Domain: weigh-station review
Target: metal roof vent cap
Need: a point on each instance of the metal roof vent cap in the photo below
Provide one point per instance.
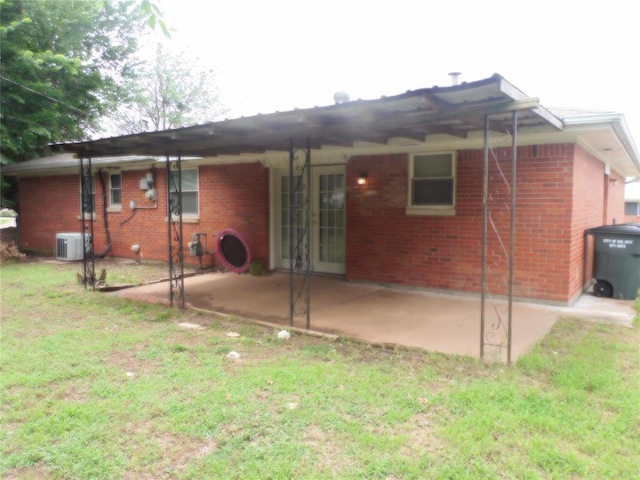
(455, 78)
(341, 97)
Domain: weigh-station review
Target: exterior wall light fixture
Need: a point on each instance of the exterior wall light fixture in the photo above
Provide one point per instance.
(362, 179)
(613, 181)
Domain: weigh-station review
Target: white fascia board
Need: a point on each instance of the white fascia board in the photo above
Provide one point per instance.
(594, 118)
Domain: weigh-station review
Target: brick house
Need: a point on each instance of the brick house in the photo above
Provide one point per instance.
(397, 192)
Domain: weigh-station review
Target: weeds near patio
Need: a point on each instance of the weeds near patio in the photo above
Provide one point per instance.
(95, 386)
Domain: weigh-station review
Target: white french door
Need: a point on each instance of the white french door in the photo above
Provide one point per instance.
(327, 218)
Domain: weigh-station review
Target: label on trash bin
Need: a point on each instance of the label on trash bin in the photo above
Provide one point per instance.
(617, 243)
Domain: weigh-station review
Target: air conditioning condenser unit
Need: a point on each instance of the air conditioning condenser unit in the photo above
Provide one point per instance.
(69, 246)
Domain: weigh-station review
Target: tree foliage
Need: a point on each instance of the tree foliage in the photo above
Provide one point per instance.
(66, 66)
(173, 90)
(154, 16)
(63, 66)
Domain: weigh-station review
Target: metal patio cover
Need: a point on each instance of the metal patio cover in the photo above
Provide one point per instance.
(416, 114)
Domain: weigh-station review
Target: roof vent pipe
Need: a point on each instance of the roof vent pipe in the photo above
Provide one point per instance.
(341, 97)
(455, 78)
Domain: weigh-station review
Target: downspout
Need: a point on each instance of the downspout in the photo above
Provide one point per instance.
(485, 199)
(105, 217)
(512, 229)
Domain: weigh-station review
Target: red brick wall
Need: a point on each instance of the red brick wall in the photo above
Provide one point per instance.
(47, 206)
(589, 210)
(230, 196)
(560, 192)
(385, 245)
(237, 197)
(543, 226)
(632, 219)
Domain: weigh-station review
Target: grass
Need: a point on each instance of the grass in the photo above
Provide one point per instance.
(99, 387)
(131, 272)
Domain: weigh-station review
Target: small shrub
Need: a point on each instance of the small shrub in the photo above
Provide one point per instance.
(10, 253)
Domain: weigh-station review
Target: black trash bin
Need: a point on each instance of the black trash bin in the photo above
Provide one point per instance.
(616, 260)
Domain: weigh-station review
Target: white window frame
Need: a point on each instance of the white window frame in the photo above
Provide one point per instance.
(113, 206)
(434, 209)
(191, 215)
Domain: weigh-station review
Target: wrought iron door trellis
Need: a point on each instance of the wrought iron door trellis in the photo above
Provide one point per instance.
(174, 217)
(498, 208)
(88, 211)
(300, 232)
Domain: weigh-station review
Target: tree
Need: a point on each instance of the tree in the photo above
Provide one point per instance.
(154, 16)
(173, 90)
(63, 66)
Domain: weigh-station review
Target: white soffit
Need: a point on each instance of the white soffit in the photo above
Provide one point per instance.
(606, 136)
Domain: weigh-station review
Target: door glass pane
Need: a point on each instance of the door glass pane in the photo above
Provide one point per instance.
(323, 218)
(284, 244)
(331, 218)
(324, 245)
(285, 212)
(340, 245)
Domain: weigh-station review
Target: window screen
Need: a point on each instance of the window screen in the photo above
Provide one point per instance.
(189, 187)
(432, 182)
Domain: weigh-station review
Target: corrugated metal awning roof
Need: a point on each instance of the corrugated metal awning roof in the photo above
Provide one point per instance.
(455, 110)
(65, 162)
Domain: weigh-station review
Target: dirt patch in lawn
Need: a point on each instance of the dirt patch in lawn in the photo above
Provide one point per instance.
(35, 472)
(119, 270)
(130, 363)
(177, 452)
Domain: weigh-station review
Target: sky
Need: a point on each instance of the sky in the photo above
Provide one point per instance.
(277, 55)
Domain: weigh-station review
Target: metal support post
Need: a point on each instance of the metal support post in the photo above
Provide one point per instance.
(88, 211)
(300, 232)
(498, 208)
(174, 220)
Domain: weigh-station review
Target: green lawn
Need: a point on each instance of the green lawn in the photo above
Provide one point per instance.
(95, 386)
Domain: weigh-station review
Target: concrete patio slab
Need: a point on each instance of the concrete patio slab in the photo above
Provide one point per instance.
(446, 323)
